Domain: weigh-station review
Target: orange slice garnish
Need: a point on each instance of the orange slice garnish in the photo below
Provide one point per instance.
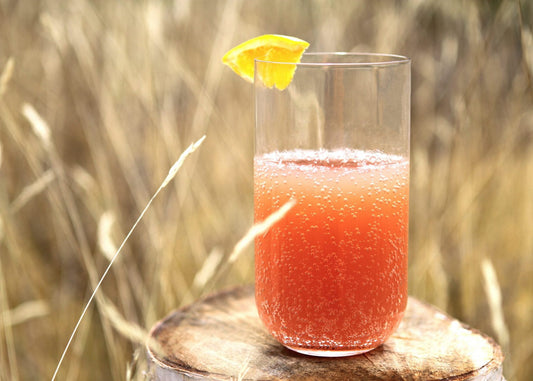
(269, 47)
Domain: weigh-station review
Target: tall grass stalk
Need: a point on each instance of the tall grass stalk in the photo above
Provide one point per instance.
(171, 174)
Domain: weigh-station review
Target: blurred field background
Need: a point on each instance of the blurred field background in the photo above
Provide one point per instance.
(99, 98)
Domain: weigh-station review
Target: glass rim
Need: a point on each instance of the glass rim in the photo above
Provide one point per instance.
(388, 60)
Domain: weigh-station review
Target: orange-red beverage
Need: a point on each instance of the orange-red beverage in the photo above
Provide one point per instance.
(331, 276)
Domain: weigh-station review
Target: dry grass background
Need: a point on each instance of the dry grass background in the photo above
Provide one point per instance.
(99, 98)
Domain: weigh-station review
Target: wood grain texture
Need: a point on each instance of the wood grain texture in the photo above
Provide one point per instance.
(222, 338)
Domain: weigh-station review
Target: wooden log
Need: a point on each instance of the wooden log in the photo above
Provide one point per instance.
(222, 338)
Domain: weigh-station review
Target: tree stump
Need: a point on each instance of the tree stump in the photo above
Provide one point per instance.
(222, 338)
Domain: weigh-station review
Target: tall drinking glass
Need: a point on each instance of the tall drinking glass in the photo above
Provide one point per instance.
(331, 276)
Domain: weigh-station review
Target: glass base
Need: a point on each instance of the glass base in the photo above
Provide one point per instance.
(328, 352)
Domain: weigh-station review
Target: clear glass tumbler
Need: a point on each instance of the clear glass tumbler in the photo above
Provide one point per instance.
(331, 276)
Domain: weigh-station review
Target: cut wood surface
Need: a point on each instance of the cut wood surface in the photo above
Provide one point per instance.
(222, 338)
